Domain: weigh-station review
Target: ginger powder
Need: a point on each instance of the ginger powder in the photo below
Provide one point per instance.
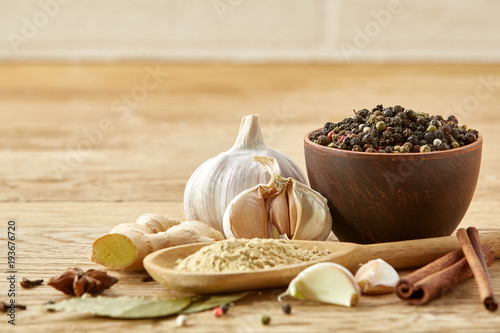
(240, 255)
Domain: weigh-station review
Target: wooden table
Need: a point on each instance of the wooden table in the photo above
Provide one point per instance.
(86, 147)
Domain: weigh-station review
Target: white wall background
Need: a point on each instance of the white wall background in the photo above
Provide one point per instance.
(250, 30)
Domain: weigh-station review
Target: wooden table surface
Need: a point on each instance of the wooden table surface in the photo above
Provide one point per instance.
(86, 147)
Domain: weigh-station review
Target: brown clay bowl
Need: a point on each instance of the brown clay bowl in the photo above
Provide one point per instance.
(391, 197)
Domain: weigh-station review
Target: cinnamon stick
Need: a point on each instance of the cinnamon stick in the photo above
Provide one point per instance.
(434, 279)
(469, 240)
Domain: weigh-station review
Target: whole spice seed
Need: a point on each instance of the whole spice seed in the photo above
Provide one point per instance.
(147, 278)
(286, 308)
(217, 311)
(224, 308)
(27, 283)
(4, 307)
(49, 303)
(265, 319)
(181, 320)
(385, 128)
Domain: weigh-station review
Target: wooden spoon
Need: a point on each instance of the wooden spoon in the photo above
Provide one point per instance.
(401, 255)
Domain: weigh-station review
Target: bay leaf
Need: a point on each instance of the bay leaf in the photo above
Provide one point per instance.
(212, 301)
(123, 307)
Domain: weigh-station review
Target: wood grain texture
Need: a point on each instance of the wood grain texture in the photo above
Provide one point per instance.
(141, 161)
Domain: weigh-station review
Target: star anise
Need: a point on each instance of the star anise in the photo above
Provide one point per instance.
(77, 282)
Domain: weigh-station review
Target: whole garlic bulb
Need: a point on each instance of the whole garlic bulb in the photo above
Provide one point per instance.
(216, 182)
(283, 208)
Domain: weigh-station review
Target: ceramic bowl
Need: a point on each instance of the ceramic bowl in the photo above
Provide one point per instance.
(391, 197)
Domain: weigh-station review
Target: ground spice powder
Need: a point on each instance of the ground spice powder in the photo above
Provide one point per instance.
(240, 255)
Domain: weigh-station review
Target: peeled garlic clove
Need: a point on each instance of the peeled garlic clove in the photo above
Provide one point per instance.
(325, 282)
(376, 277)
(220, 179)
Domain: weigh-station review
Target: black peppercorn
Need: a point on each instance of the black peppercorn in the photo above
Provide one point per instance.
(358, 119)
(398, 137)
(407, 132)
(446, 129)
(355, 141)
(323, 140)
(286, 308)
(398, 108)
(469, 137)
(429, 137)
(452, 119)
(388, 112)
(412, 115)
(418, 134)
(357, 148)
(423, 121)
(413, 140)
(363, 113)
(396, 122)
(314, 135)
(394, 129)
(401, 115)
(442, 146)
(439, 134)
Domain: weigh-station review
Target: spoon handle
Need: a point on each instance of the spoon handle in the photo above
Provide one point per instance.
(419, 252)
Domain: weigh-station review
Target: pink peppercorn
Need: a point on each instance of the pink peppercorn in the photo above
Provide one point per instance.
(217, 311)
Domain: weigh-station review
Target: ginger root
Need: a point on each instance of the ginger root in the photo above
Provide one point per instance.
(127, 244)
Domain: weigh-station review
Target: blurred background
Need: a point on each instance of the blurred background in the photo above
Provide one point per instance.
(251, 31)
(121, 100)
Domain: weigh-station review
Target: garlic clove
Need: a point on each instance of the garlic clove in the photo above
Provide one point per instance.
(376, 277)
(312, 218)
(293, 210)
(250, 214)
(278, 212)
(325, 282)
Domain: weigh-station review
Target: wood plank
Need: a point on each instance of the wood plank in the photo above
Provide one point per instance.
(143, 163)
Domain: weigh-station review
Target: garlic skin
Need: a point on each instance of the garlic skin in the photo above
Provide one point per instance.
(376, 277)
(217, 181)
(283, 208)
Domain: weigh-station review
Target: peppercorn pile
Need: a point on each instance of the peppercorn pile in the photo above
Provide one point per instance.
(394, 130)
